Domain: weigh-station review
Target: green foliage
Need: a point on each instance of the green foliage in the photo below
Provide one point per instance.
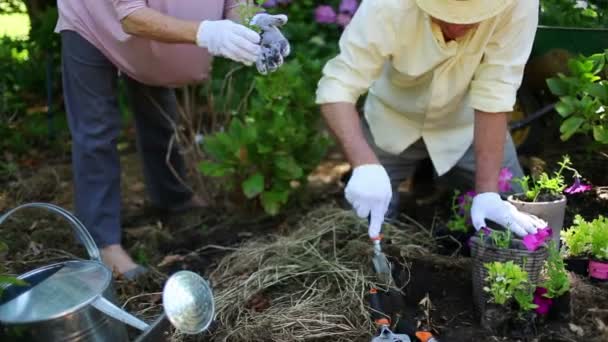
(7, 280)
(275, 143)
(556, 281)
(461, 208)
(12, 6)
(506, 281)
(524, 297)
(577, 239)
(502, 239)
(583, 97)
(599, 238)
(545, 184)
(566, 13)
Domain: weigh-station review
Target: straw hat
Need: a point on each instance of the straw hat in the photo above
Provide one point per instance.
(463, 11)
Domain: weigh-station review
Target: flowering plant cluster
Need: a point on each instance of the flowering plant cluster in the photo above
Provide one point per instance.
(552, 185)
(325, 14)
(507, 281)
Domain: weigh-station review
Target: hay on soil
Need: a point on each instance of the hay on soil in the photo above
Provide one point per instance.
(308, 284)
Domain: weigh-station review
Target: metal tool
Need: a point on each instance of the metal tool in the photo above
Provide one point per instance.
(74, 300)
(382, 265)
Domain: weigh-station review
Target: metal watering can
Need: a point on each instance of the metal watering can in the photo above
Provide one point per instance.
(74, 300)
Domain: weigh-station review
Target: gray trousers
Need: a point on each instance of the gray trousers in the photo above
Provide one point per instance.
(90, 87)
(462, 176)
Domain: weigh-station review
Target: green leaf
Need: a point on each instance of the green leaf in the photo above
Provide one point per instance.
(570, 126)
(600, 134)
(212, 169)
(564, 109)
(7, 280)
(599, 90)
(557, 86)
(289, 167)
(253, 185)
(272, 201)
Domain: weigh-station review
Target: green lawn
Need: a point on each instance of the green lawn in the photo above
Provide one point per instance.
(14, 25)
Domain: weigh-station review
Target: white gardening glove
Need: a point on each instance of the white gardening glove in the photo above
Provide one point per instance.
(275, 46)
(369, 192)
(228, 39)
(489, 205)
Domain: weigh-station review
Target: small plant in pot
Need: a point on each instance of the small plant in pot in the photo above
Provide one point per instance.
(553, 297)
(489, 246)
(577, 243)
(510, 297)
(544, 195)
(598, 263)
(460, 226)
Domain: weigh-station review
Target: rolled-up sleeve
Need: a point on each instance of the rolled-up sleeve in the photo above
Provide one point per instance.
(125, 7)
(498, 77)
(365, 45)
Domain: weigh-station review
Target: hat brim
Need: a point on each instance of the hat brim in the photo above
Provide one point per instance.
(463, 12)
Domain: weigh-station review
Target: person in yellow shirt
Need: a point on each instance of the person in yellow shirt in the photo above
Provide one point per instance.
(440, 77)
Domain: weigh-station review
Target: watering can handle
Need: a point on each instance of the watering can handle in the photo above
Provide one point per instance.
(78, 227)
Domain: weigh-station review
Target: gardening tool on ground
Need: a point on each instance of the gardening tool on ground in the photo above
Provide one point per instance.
(382, 321)
(382, 265)
(74, 300)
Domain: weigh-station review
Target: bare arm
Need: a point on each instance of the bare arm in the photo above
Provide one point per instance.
(151, 24)
(343, 121)
(490, 134)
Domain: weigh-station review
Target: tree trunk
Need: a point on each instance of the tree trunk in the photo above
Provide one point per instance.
(36, 7)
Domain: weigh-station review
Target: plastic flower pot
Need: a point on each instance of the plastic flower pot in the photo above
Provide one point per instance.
(598, 270)
(551, 211)
(484, 251)
(561, 309)
(577, 265)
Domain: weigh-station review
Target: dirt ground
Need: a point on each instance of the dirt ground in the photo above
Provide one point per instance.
(197, 241)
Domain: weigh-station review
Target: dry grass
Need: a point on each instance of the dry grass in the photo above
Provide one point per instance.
(309, 284)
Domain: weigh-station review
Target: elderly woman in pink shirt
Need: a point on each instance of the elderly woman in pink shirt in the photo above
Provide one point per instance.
(154, 45)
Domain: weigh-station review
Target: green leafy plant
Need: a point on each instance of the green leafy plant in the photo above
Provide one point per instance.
(246, 11)
(460, 221)
(504, 280)
(7, 280)
(570, 13)
(599, 238)
(583, 97)
(544, 184)
(556, 281)
(524, 297)
(577, 238)
(502, 239)
(269, 150)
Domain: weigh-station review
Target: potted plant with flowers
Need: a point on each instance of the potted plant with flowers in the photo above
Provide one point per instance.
(577, 243)
(489, 246)
(544, 196)
(553, 296)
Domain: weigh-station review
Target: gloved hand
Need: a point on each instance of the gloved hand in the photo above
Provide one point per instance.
(369, 192)
(489, 205)
(228, 39)
(275, 46)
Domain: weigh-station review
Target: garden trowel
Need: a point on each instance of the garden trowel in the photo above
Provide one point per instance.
(382, 265)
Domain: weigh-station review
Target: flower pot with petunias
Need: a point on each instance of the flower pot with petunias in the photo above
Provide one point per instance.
(598, 263)
(489, 246)
(545, 195)
(552, 297)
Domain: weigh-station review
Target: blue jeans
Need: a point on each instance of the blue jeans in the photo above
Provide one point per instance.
(90, 86)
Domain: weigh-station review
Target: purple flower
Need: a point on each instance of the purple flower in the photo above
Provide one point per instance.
(343, 19)
(465, 201)
(504, 180)
(348, 7)
(533, 241)
(544, 303)
(577, 187)
(325, 14)
(275, 3)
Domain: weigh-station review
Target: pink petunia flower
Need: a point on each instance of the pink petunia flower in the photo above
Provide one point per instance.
(504, 180)
(578, 187)
(348, 7)
(533, 241)
(343, 19)
(544, 303)
(325, 14)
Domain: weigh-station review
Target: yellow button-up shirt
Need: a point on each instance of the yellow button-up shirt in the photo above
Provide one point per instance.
(421, 86)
